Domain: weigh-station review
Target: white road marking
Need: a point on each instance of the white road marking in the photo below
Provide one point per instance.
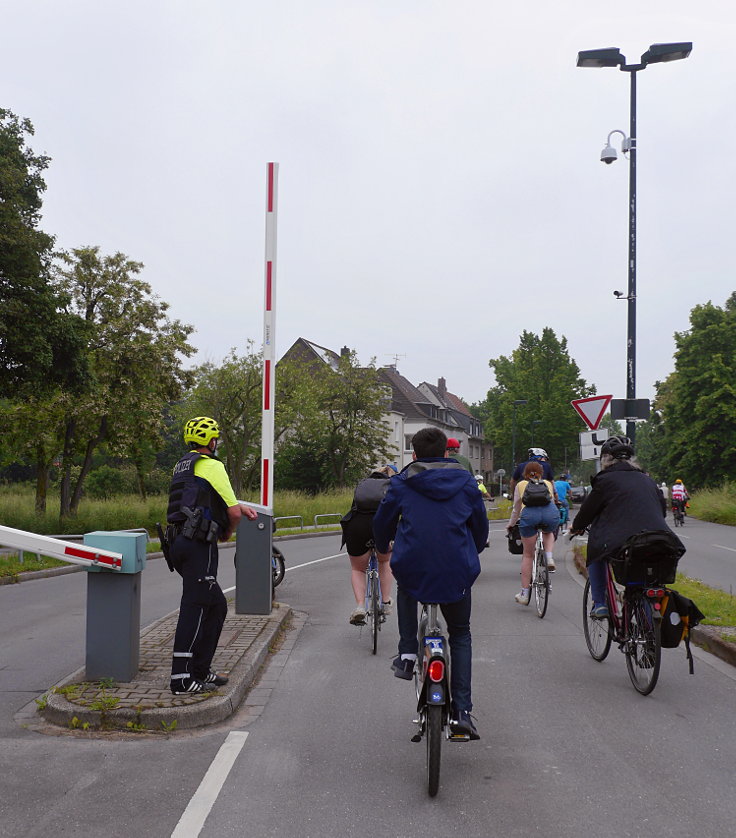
(297, 566)
(191, 822)
(732, 549)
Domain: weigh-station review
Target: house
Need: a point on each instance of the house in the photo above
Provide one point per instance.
(411, 408)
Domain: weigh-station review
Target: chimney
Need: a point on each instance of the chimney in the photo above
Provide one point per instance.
(344, 351)
(442, 387)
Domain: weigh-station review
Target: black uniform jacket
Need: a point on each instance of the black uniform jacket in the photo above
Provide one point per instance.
(624, 501)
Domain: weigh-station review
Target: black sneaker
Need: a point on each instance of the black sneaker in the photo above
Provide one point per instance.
(462, 725)
(217, 680)
(403, 668)
(187, 686)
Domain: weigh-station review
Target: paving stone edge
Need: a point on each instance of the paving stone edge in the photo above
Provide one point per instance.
(59, 711)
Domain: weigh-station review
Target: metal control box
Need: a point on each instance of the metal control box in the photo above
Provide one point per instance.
(132, 546)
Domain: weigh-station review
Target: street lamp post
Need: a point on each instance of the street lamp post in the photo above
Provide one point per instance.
(516, 403)
(613, 57)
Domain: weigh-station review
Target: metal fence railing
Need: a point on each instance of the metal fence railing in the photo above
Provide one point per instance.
(337, 515)
(291, 518)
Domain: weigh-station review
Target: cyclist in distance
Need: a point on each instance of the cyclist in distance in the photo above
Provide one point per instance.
(453, 450)
(535, 455)
(542, 514)
(436, 516)
(562, 487)
(623, 501)
(357, 537)
(679, 495)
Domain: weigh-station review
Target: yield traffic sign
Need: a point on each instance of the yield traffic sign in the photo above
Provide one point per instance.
(591, 410)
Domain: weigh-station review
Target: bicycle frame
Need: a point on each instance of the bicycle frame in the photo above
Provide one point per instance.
(373, 598)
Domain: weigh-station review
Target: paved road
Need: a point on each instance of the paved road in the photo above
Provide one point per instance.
(568, 747)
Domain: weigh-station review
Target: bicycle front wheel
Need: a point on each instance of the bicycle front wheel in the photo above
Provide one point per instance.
(540, 583)
(433, 735)
(597, 631)
(375, 613)
(643, 644)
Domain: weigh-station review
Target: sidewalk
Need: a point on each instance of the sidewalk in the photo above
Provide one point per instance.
(146, 703)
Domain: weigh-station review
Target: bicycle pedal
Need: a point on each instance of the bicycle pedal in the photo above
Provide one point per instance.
(459, 737)
(417, 737)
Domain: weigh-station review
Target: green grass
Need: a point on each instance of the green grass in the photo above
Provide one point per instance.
(717, 505)
(719, 607)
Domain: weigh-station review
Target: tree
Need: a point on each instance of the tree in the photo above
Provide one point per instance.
(540, 371)
(339, 419)
(695, 424)
(134, 354)
(41, 345)
(231, 394)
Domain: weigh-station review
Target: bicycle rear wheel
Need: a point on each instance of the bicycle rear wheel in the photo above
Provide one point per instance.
(643, 644)
(278, 568)
(433, 735)
(597, 631)
(375, 612)
(540, 583)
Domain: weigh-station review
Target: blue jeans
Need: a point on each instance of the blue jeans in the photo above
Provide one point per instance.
(457, 617)
(597, 576)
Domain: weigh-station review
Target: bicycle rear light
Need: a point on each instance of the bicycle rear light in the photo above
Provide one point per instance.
(654, 593)
(436, 670)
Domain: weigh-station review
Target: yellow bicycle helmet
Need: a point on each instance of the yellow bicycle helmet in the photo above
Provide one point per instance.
(201, 430)
(678, 480)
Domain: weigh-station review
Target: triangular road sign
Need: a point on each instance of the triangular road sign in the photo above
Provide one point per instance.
(592, 409)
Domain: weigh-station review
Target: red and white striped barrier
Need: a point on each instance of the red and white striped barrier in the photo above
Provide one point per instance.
(269, 339)
(58, 549)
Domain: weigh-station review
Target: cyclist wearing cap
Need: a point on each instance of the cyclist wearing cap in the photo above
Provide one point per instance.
(453, 451)
(481, 487)
(624, 500)
(535, 455)
(202, 511)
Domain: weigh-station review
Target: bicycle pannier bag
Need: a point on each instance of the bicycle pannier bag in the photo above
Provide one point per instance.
(516, 546)
(680, 616)
(536, 494)
(648, 557)
(369, 493)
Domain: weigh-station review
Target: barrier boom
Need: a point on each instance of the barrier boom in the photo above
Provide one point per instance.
(58, 549)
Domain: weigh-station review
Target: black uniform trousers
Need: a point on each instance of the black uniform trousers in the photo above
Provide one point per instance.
(202, 612)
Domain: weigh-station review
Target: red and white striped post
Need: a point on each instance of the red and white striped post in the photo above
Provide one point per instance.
(269, 339)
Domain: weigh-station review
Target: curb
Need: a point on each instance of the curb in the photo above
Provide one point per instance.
(209, 710)
(706, 637)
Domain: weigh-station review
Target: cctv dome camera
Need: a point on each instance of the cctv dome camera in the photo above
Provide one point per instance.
(608, 155)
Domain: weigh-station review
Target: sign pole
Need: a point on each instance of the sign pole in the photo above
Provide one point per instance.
(269, 339)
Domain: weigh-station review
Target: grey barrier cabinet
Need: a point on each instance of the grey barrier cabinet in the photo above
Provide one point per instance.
(253, 578)
(114, 608)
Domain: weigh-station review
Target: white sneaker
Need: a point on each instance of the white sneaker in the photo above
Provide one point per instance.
(357, 618)
(551, 564)
(522, 597)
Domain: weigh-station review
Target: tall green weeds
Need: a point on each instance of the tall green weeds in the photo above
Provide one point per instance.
(717, 505)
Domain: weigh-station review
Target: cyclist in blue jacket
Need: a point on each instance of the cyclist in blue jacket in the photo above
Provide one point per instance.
(435, 515)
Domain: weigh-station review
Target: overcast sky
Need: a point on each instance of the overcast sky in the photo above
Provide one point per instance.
(440, 179)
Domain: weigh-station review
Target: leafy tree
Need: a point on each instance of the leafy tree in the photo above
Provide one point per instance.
(41, 345)
(541, 371)
(693, 435)
(231, 394)
(134, 354)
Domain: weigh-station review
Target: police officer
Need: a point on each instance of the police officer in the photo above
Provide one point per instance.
(202, 511)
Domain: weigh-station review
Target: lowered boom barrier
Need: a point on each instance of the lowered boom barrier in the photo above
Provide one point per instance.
(57, 549)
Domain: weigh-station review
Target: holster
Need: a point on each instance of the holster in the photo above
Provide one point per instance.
(163, 537)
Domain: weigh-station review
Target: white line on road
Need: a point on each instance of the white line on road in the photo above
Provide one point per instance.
(732, 549)
(297, 566)
(191, 822)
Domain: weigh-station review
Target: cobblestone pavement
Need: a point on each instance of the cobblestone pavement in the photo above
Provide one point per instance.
(146, 703)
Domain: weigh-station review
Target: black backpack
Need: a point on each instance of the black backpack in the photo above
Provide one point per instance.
(680, 616)
(370, 492)
(536, 494)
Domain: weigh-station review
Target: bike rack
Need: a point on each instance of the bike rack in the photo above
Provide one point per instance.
(292, 518)
(337, 515)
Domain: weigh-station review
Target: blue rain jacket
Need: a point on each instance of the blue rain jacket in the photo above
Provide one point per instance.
(436, 516)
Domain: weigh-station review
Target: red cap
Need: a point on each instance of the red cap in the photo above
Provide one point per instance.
(452, 443)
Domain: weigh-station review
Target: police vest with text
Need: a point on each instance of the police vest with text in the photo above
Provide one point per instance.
(196, 510)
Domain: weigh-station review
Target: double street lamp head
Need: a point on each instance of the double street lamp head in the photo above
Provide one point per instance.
(613, 57)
